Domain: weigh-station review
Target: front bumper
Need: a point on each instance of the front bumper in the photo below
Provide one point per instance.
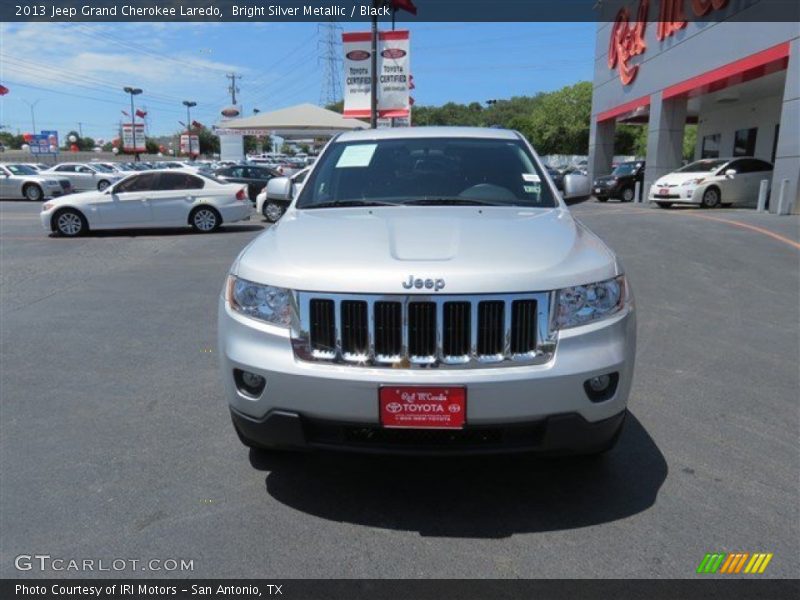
(558, 434)
(680, 194)
(507, 396)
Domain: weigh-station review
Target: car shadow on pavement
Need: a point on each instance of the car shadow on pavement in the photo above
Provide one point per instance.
(478, 497)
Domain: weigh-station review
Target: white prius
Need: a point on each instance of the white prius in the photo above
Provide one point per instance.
(162, 198)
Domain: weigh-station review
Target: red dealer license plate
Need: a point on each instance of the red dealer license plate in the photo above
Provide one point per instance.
(663, 192)
(423, 407)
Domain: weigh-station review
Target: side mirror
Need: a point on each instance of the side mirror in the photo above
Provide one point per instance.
(279, 188)
(576, 186)
(730, 173)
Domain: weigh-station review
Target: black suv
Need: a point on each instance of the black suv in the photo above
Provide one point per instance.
(621, 183)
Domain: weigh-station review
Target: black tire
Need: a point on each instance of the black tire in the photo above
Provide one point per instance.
(272, 211)
(102, 185)
(664, 204)
(711, 198)
(601, 198)
(69, 222)
(205, 219)
(33, 192)
(627, 194)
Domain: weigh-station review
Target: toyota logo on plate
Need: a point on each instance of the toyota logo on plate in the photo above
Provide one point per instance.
(394, 407)
(393, 53)
(358, 55)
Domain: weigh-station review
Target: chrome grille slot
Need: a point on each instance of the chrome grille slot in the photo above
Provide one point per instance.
(523, 326)
(491, 329)
(355, 335)
(322, 329)
(456, 331)
(388, 331)
(424, 330)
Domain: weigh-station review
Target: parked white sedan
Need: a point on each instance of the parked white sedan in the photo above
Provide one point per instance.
(159, 198)
(711, 182)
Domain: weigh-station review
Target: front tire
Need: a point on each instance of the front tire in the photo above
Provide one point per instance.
(33, 192)
(273, 212)
(711, 198)
(627, 194)
(205, 219)
(68, 222)
(102, 185)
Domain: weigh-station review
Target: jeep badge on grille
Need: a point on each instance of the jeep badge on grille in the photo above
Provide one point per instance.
(430, 284)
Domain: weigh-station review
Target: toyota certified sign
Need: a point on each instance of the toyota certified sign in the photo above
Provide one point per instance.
(393, 74)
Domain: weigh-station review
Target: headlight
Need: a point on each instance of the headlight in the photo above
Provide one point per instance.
(262, 302)
(47, 206)
(585, 303)
(694, 181)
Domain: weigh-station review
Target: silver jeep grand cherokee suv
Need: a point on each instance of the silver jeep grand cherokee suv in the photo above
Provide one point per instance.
(427, 291)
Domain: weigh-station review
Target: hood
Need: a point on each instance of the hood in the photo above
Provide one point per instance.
(77, 198)
(679, 178)
(475, 250)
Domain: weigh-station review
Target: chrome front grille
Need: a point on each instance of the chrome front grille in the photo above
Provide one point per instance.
(424, 331)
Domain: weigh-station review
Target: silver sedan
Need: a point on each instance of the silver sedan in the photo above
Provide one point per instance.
(19, 181)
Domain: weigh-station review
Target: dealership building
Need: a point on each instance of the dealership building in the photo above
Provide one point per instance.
(663, 64)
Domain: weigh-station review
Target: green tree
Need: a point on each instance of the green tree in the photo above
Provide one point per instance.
(560, 121)
(11, 141)
(151, 147)
(689, 141)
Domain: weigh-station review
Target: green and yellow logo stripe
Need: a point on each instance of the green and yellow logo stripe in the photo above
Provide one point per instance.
(735, 562)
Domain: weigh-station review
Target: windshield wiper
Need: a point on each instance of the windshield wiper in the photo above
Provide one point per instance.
(346, 203)
(449, 202)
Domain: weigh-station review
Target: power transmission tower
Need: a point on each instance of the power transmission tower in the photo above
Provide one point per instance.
(232, 87)
(330, 48)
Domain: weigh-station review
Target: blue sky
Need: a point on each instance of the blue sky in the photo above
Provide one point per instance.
(75, 72)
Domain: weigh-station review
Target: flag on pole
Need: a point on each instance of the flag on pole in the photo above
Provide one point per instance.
(140, 113)
(3, 90)
(124, 113)
(407, 5)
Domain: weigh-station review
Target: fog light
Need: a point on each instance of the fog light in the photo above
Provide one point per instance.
(599, 384)
(601, 387)
(249, 383)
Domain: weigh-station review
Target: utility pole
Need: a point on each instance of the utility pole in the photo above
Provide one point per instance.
(32, 105)
(80, 129)
(232, 87)
(189, 104)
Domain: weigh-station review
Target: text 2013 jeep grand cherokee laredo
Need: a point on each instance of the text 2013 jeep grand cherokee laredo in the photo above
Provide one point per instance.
(427, 291)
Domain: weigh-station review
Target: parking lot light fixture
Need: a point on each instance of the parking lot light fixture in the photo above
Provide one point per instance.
(133, 91)
(189, 104)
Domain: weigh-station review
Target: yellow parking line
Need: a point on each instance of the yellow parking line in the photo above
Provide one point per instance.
(761, 230)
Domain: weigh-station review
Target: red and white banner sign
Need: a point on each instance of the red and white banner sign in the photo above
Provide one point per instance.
(127, 137)
(393, 73)
(190, 144)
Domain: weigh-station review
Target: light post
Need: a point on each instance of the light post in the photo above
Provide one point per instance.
(32, 105)
(189, 104)
(133, 92)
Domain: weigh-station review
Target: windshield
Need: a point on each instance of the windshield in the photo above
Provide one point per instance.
(22, 170)
(625, 169)
(422, 171)
(101, 168)
(702, 166)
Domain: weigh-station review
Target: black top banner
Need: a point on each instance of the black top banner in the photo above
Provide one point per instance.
(426, 10)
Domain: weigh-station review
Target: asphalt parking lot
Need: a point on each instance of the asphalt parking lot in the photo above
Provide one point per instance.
(116, 440)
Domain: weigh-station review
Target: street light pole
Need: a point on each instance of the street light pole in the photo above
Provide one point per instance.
(189, 104)
(133, 92)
